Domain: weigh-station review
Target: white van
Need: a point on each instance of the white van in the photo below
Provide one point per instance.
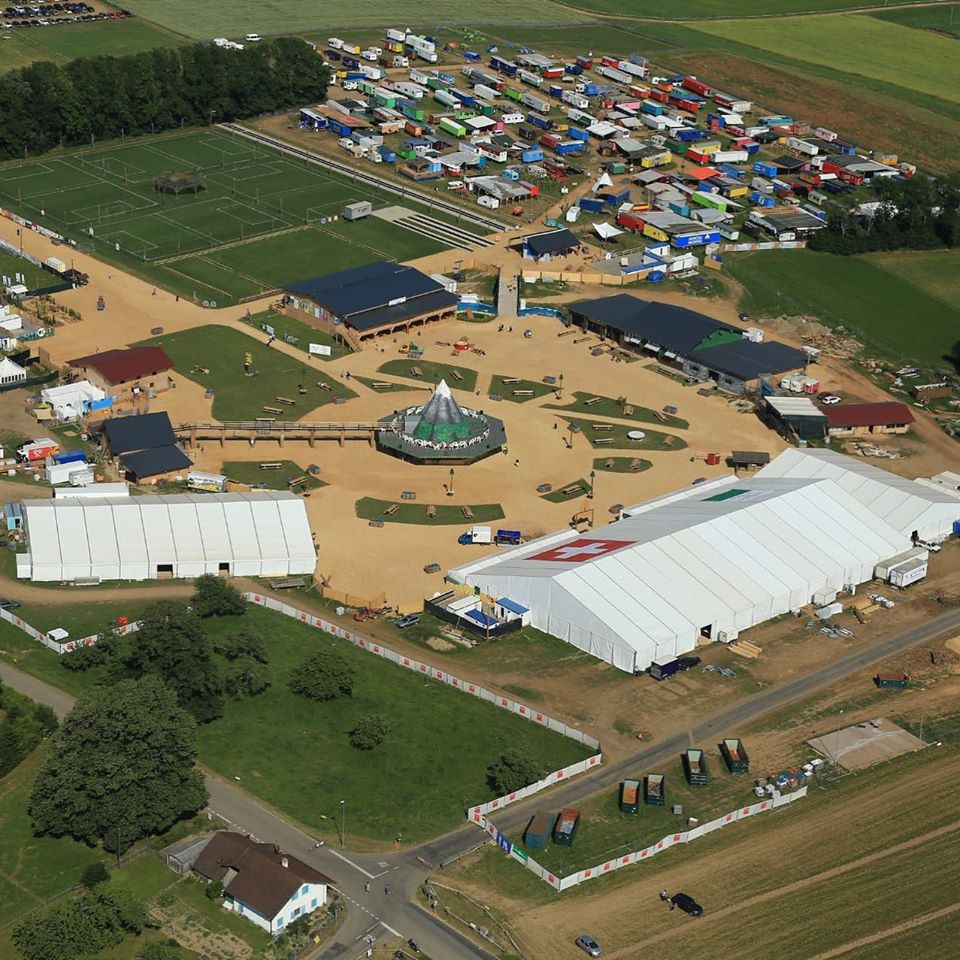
(335, 42)
(253, 38)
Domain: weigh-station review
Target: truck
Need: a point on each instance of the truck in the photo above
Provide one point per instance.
(483, 535)
(511, 537)
(664, 668)
(538, 830)
(695, 767)
(630, 796)
(734, 755)
(38, 450)
(654, 792)
(566, 827)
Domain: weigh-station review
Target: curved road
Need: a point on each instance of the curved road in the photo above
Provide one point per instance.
(378, 914)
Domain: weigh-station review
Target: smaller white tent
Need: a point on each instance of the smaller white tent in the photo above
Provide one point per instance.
(11, 372)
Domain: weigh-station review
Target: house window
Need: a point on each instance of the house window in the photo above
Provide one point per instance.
(304, 889)
(313, 904)
(295, 913)
(279, 921)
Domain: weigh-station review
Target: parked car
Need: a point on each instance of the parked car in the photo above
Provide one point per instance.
(588, 945)
(10, 604)
(687, 904)
(253, 38)
(688, 663)
(828, 399)
(408, 621)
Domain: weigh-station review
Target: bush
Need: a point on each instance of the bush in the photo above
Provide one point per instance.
(515, 769)
(242, 644)
(245, 677)
(323, 676)
(214, 597)
(369, 732)
(214, 890)
(93, 874)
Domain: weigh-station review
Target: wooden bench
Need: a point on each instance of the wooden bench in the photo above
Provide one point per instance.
(592, 401)
(381, 385)
(456, 374)
(391, 510)
(287, 583)
(600, 440)
(276, 410)
(467, 512)
(296, 482)
(582, 339)
(523, 393)
(431, 512)
(602, 426)
(272, 465)
(628, 410)
(416, 371)
(510, 380)
(286, 400)
(566, 333)
(573, 488)
(323, 385)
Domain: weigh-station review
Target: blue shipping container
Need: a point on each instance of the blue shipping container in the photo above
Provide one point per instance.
(471, 56)
(69, 456)
(591, 90)
(555, 90)
(765, 169)
(570, 146)
(388, 155)
(532, 155)
(696, 239)
(730, 171)
(590, 204)
(575, 133)
(542, 122)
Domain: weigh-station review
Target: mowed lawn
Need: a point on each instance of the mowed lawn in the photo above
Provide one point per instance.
(417, 783)
(889, 313)
(221, 350)
(697, 9)
(858, 45)
(64, 42)
(936, 272)
(206, 20)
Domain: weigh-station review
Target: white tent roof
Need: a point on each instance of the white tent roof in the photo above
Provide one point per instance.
(9, 368)
(906, 505)
(126, 538)
(727, 554)
(606, 231)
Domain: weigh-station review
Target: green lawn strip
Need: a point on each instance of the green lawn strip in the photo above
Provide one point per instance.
(34, 276)
(432, 775)
(936, 272)
(221, 350)
(32, 869)
(621, 464)
(608, 407)
(80, 619)
(652, 440)
(369, 508)
(570, 41)
(394, 387)
(605, 832)
(931, 16)
(297, 333)
(852, 292)
(252, 475)
(706, 9)
(432, 372)
(934, 940)
(381, 236)
(569, 491)
(508, 391)
(31, 656)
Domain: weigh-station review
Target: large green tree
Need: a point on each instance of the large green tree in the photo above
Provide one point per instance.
(120, 768)
(514, 769)
(325, 675)
(214, 597)
(172, 644)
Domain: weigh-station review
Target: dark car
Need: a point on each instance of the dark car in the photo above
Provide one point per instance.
(687, 904)
(688, 663)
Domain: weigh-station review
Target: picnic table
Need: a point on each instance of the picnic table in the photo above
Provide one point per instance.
(467, 512)
(456, 374)
(431, 511)
(286, 400)
(276, 410)
(572, 488)
(392, 509)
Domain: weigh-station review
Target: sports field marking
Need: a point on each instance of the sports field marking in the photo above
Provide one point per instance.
(255, 219)
(130, 242)
(35, 170)
(225, 145)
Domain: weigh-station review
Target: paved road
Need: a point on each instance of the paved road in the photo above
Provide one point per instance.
(394, 915)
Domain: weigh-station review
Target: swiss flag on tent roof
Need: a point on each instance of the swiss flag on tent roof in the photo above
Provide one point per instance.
(579, 551)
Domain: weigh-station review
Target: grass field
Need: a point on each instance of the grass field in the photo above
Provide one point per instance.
(936, 272)
(506, 390)
(31, 868)
(432, 774)
(935, 16)
(609, 407)
(621, 464)
(292, 16)
(34, 276)
(433, 372)
(394, 386)
(67, 41)
(255, 226)
(617, 439)
(369, 508)
(702, 9)
(251, 474)
(297, 333)
(221, 350)
(568, 491)
(854, 292)
(859, 45)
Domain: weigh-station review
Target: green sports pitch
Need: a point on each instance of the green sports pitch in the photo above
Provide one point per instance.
(261, 219)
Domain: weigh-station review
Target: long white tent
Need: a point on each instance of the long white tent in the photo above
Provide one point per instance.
(262, 533)
(710, 560)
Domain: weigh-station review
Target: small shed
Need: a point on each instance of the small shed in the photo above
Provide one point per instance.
(358, 210)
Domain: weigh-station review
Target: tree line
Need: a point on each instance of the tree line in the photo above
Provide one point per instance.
(917, 214)
(46, 105)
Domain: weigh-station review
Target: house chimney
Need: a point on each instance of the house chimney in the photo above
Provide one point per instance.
(284, 862)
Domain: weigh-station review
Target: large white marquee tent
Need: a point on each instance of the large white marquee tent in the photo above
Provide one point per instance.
(711, 560)
(262, 533)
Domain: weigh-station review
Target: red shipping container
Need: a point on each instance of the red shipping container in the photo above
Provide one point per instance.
(552, 73)
(549, 140)
(414, 129)
(697, 86)
(585, 62)
(661, 96)
(697, 157)
(630, 221)
(613, 62)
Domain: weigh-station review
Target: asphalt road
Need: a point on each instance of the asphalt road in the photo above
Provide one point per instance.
(374, 912)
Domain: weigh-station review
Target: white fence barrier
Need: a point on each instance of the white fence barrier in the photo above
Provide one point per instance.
(638, 856)
(54, 645)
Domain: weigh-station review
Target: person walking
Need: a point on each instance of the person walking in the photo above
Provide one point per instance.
(664, 896)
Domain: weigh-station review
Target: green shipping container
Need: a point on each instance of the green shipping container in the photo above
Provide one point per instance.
(512, 94)
(655, 793)
(566, 827)
(630, 796)
(538, 830)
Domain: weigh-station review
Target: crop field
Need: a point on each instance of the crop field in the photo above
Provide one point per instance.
(67, 41)
(861, 46)
(259, 219)
(217, 18)
(890, 314)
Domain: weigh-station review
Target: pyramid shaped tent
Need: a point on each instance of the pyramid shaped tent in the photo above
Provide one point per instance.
(441, 419)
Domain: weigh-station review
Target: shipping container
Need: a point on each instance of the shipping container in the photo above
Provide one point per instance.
(542, 122)
(734, 755)
(630, 796)
(484, 92)
(467, 99)
(447, 99)
(552, 73)
(591, 204)
(655, 792)
(538, 830)
(534, 102)
(695, 767)
(585, 62)
(630, 221)
(531, 79)
(453, 127)
(575, 133)
(612, 74)
(413, 90)
(512, 93)
(555, 90)
(502, 65)
(549, 140)
(573, 69)
(570, 147)
(566, 827)
(697, 86)
(731, 156)
(892, 681)
(532, 155)
(386, 154)
(633, 69)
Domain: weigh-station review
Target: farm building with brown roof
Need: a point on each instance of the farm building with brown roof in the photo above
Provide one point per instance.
(126, 374)
(864, 419)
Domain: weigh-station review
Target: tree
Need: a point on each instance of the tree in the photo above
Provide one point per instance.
(46, 718)
(93, 874)
(242, 644)
(170, 950)
(245, 677)
(954, 356)
(214, 890)
(214, 597)
(11, 749)
(323, 676)
(121, 766)
(171, 643)
(515, 769)
(369, 732)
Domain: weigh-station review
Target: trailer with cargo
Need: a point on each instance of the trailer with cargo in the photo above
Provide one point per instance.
(467, 99)
(538, 830)
(695, 767)
(892, 681)
(566, 827)
(452, 126)
(37, 450)
(630, 796)
(531, 79)
(612, 73)
(502, 65)
(534, 102)
(654, 790)
(734, 755)
(542, 122)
